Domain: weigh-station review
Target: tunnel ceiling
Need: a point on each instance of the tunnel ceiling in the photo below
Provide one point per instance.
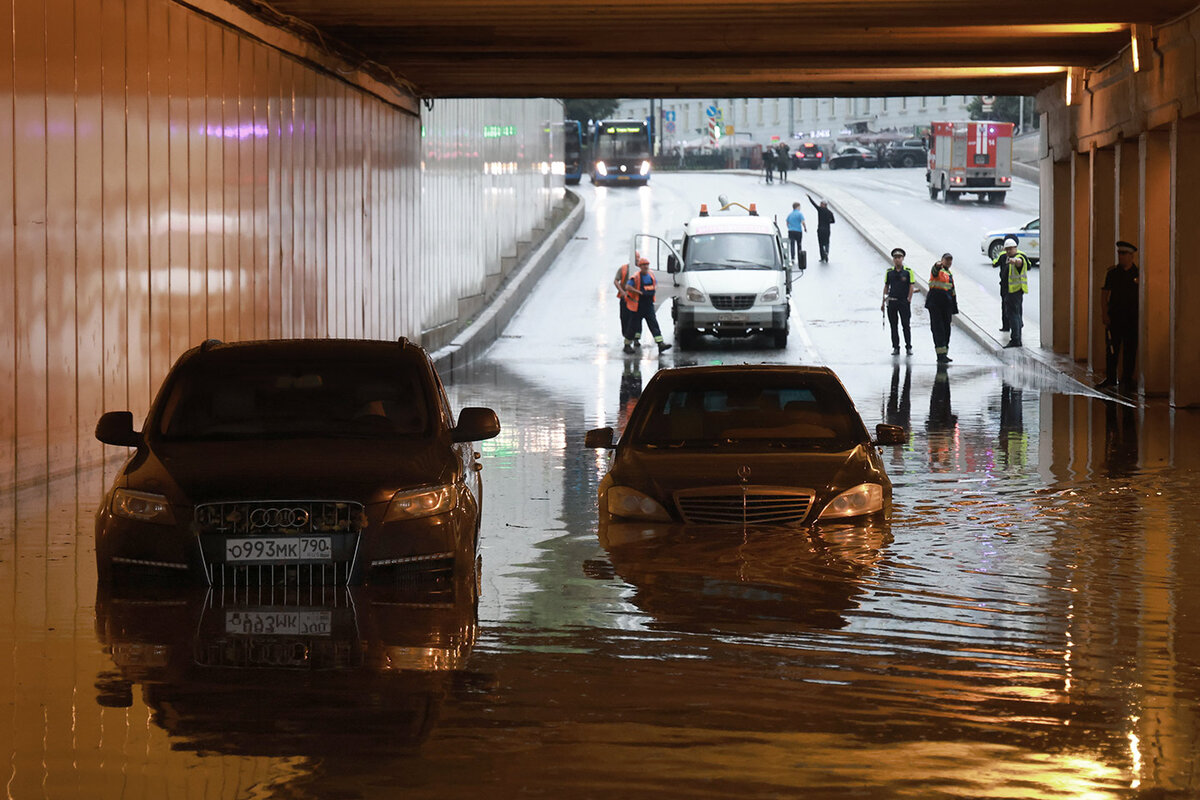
(725, 48)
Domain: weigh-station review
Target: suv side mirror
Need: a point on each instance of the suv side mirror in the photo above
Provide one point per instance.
(475, 423)
(672, 264)
(599, 439)
(890, 434)
(116, 427)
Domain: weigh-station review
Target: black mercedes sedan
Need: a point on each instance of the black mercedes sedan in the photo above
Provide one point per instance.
(296, 462)
(752, 444)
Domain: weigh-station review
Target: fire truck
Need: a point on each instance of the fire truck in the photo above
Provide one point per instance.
(970, 158)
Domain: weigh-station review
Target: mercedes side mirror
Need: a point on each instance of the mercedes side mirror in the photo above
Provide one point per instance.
(116, 427)
(599, 439)
(475, 423)
(890, 434)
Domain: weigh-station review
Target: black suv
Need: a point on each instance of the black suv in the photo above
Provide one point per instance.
(908, 153)
(808, 155)
(307, 461)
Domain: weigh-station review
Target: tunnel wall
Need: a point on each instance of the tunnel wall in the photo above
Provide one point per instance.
(178, 176)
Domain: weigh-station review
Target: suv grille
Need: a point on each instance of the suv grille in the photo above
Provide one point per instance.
(280, 517)
(752, 506)
(732, 302)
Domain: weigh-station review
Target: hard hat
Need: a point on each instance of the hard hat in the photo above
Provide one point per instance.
(1010, 242)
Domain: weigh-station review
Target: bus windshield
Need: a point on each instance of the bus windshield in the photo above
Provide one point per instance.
(622, 140)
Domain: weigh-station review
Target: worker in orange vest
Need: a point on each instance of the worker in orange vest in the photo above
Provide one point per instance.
(639, 299)
(619, 280)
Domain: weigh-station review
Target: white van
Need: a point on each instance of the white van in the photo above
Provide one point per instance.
(731, 276)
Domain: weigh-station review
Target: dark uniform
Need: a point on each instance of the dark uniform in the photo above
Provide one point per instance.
(1014, 285)
(824, 220)
(897, 288)
(1121, 326)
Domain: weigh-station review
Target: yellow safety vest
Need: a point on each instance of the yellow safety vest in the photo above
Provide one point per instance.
(1018, 273)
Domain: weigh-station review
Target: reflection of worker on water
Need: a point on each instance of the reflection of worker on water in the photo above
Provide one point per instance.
(631, 390)
(941, 424)
(899, 406)
(1014, 442)
(1120, 439)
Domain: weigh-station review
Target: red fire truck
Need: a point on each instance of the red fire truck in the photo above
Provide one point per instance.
(970, 158)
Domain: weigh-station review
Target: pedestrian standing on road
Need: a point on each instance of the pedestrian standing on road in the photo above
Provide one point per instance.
(796, 227)
(783, 161)
(1014, 285)
(824, 220)
(768, 159)
(942, 304)
(620, 280)
(639, 297)
(898, 287)
(1119, 309)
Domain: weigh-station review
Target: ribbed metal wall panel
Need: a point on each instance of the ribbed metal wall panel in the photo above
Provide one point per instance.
(174, 180)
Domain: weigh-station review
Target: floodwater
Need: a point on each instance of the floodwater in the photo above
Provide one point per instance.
(1027, 625)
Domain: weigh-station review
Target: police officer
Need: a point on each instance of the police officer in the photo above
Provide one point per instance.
(898, 287)
(942, 304)
(639, 297)
(1014, 285)
(619, 280)
(1119, 307)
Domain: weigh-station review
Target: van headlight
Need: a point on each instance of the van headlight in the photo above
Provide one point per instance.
(770, 295)
(866, 498)
(632, 504)
(423, 502)
(694, 295)
(601, 168)
(645, 168)
(142, 506)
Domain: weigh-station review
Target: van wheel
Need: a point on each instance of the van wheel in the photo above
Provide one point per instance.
(781, 339)
(685, 338)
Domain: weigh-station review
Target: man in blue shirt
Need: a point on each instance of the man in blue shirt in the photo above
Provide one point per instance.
(796, 229)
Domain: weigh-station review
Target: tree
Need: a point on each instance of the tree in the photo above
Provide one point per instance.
(588, 109)
(1005, 109)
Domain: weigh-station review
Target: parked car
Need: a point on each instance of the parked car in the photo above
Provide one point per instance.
(853, 157)
(1029, 240)
(908, 153)
(747, 444)
(305, 461)
(808, 155)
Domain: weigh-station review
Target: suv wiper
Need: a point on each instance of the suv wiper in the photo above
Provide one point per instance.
(751, 263)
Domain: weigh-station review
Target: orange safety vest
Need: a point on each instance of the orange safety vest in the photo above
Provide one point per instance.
(941, 279)
(632, 298)
(624, 279)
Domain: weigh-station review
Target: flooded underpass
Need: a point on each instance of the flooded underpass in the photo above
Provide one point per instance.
(1027, 625)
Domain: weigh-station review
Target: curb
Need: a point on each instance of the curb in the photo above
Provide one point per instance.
(473, 340)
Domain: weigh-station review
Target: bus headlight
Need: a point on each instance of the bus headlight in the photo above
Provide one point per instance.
(632, 504)
(865, 498)
(601, 168)
(645, 168)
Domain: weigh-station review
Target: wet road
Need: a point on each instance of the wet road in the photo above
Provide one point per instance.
(1028, 625)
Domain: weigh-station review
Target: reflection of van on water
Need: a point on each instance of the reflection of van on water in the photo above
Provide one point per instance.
(621, 152)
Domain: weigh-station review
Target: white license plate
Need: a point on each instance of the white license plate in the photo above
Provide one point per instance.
(279, 623)
(285, 548)
(732, 318)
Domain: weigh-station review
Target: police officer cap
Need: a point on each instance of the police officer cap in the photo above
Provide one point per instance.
(1126, 247)
(1010, 242)
(898, 251)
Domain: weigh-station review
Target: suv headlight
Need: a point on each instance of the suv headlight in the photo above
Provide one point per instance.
(423, 502)
(770, 295)
(694, 295)
(142, 506)
(632, 504)
(865, 498)
(601, 168)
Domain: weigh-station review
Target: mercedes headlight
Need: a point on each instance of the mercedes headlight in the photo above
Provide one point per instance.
(601, 168)
(645, 168)
(770, 295)
(423, 502)
(865, 498)
(632, 504)
(142, 506)
(694, 295)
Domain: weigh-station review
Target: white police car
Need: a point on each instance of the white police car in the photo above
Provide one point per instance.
(1028, 240)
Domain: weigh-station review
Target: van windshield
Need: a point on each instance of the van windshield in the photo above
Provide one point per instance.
(732, 251)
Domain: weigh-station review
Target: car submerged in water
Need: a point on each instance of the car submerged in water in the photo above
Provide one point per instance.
(294, 462)
(745, 445)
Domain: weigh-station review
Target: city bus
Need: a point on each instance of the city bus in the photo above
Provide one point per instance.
(621, 152)
(572, 150)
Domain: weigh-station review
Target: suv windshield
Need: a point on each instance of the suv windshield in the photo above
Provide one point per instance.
(260, 398)
(732, 251)
(808, 413)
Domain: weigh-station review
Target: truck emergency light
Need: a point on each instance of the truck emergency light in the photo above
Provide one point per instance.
(754, 209)
(704, 209)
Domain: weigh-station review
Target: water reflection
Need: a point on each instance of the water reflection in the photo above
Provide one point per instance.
(715, 577)
(289, 672)
(1014, 442)
(941, 424)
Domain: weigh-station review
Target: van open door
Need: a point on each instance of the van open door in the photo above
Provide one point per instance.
(664, 263)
